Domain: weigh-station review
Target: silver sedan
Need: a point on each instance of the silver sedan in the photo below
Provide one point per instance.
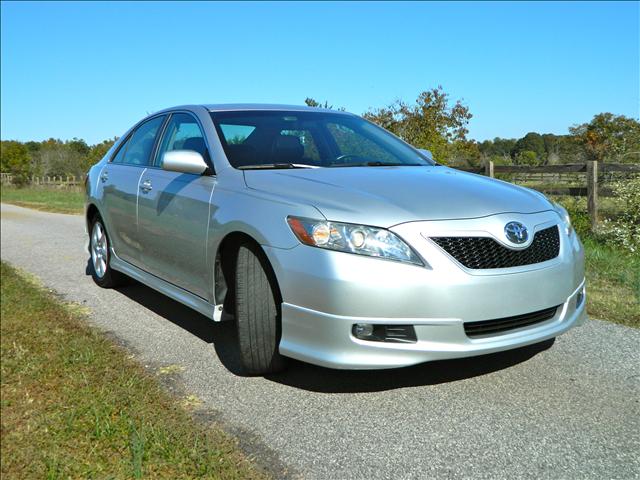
(329, 240)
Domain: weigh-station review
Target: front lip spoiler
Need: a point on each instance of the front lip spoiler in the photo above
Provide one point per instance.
(325, 339)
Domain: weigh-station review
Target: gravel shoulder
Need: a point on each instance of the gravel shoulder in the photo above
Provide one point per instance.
(569, 411)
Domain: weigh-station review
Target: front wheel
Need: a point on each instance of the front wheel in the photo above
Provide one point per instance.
(101, 271)
(257, 313)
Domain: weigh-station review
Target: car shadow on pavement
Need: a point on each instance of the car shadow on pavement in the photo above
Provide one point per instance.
(221, 334)
(318, 379)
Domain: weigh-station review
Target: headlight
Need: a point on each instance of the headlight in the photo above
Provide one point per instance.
(566, 220)
(346, 237)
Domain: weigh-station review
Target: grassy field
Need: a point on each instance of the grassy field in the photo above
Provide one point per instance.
(57, 200)
(74, 405)
(613, 283)
(613, 273)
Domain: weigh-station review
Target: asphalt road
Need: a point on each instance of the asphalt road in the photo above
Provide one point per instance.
(569, 411)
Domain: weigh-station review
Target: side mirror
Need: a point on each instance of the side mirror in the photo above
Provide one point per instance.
(184, 161)
(426, 153)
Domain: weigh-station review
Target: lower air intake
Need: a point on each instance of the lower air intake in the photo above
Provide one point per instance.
(487, 328)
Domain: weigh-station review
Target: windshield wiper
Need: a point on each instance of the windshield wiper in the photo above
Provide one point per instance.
(275, 166)
(379, 164)
(392, 164)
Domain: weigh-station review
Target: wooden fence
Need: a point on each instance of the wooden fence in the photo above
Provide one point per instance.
(60, 181)
(591, 171)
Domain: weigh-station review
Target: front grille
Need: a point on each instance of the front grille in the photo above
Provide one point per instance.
(485, 252)
(502, 325)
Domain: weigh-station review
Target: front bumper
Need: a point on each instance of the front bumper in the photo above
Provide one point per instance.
(326, 339)
(325, 293)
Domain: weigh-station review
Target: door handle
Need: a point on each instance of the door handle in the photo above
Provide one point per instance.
(105, 176)
(146, 186)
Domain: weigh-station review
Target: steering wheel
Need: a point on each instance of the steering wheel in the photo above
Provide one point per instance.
(342, 158)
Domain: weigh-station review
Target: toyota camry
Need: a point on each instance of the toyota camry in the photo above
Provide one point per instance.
(329, 240)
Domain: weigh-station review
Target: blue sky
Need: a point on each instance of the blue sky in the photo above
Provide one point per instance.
(90, 70)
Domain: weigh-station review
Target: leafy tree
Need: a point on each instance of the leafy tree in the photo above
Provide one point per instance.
(500, 159)
(624, 229)
(570, 149)
(531, 142)
(78, 146)
(431, 122)
(465, 153)
(15, 159)
(498, 147)
(310, 102)
(503, 146)
(96, 152)
(609, 136)
(527, 157)
(58, 158)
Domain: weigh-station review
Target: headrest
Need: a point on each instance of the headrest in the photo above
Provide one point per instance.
(140, 153)
(286, 149)
(241, 155)
(196, 144)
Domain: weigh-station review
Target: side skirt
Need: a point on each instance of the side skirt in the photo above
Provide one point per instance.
(213, 312)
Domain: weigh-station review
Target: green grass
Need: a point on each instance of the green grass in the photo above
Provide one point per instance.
(58, 200)
(613, 272)
(613, 283)
(74, 405)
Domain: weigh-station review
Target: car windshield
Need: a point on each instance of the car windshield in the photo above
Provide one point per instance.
(292, 139)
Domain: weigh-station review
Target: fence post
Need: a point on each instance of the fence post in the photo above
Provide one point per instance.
(592, 192)
(488, 169)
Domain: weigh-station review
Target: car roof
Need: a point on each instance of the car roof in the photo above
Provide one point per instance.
(239, 107)
(225, 107)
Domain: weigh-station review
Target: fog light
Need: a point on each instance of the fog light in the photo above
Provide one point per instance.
(363, 330)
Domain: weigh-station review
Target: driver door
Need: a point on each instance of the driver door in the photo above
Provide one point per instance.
(173, 213)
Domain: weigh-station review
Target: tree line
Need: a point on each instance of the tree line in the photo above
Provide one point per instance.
(52, 157)
(436, 123)
(433, 121)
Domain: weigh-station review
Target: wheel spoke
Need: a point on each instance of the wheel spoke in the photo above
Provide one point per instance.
(99, 250)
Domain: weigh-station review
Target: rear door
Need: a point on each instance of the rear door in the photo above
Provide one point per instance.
(120, 180)
(173, 213)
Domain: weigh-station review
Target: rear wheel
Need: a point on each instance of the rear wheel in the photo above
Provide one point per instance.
(257, 313)
(99, 245)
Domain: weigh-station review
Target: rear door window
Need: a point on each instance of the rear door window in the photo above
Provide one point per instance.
(119, 157)
(138, 149)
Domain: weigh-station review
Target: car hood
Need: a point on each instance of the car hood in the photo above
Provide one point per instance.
(387, 196)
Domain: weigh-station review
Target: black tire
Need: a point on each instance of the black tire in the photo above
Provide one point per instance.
(110, 278)
(257, 313)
